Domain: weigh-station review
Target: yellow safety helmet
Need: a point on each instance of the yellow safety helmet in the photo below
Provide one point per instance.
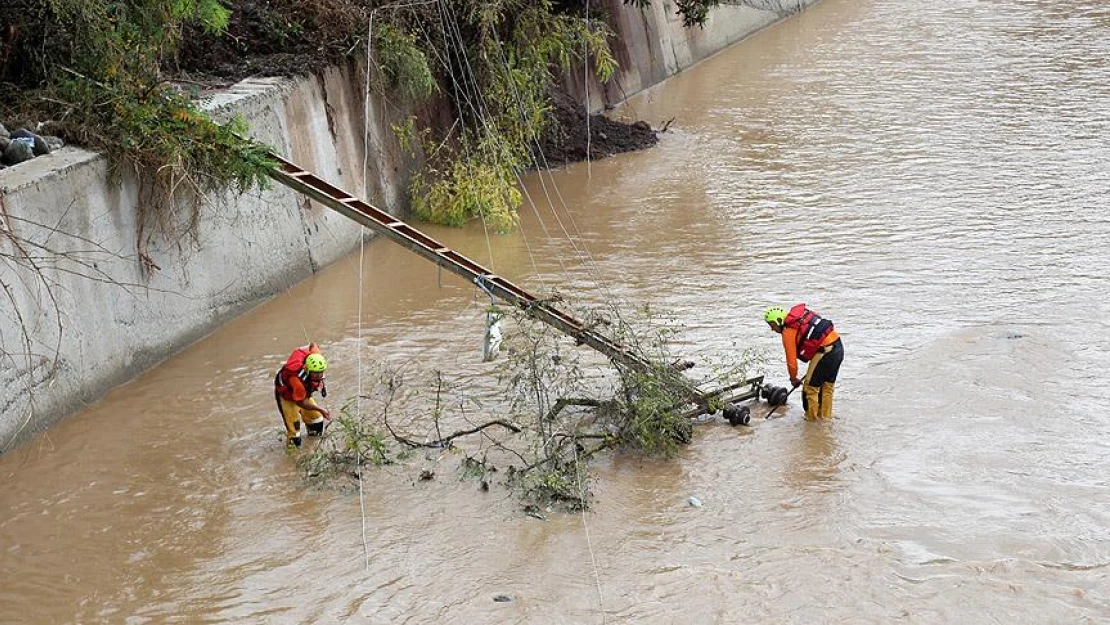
(315, 363)
(775, 315)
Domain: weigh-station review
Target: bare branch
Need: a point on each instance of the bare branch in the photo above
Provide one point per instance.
(444, 441)
(564, 402)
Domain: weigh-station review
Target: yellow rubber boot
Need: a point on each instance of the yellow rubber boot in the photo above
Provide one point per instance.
(825, 411)
(812, 401)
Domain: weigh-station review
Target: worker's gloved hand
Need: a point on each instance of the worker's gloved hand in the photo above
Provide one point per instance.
(795, 382)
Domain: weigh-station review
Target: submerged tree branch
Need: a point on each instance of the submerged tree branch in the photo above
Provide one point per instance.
(564, 402)
(444, 442)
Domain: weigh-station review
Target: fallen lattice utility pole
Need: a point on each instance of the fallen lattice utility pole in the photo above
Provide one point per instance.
(420, 243)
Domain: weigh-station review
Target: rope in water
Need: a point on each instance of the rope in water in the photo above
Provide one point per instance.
(586, 528)
(361, 264)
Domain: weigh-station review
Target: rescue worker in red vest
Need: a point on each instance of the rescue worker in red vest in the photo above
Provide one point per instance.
(808, 337)
(296, 381)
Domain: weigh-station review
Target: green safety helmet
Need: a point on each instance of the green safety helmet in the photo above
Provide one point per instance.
(775, 315)
(315, 363)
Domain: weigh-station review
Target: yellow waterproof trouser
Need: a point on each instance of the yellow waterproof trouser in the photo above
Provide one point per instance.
(812, 399)
(825, 411)
(291, 414)
(821, 381)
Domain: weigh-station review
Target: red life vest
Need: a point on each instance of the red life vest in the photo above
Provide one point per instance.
(294, 367)
(295, 362)
(812, 330)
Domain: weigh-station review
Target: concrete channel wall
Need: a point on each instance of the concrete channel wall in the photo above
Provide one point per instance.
(652, 44)
(86, 305)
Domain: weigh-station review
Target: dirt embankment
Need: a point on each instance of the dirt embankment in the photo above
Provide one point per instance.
(263, 39)
(570, 139)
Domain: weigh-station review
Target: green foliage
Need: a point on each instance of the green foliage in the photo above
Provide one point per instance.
(321, 465)
(470, 187)
(403, 63)
(178, 151)
(406, 134)
(474, 469)
(539, 368)
(106, 39)
(97, 81)
(349, 443)
(696, 12)
(495, 61)
(560, 416)
(360, 438)
(648, 415)
(98, 77)
(693, 12)
(159, 130)
(649, 420)
(543, 377)
(282, 29)
(555, 485)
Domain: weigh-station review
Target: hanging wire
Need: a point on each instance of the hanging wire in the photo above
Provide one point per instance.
(465, 92)
(473, 99)
(468, 97)
(581, 251)
(471, 95)
(586, 86)
(362, 247)
(586, 529)
(466, 148)
(361, 265)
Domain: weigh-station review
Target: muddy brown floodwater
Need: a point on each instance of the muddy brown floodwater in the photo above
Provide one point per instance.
(932, 176)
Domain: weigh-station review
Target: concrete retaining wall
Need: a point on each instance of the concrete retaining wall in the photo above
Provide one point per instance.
(95, 317)
(80, 309)
(652, 44)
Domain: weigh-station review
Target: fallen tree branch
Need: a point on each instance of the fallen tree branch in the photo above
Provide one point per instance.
(606, 443)
(441, 443)
(563, 402)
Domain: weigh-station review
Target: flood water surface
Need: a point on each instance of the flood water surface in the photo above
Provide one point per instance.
(931, 176)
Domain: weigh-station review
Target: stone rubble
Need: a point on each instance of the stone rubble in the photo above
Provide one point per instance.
(22, 145)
